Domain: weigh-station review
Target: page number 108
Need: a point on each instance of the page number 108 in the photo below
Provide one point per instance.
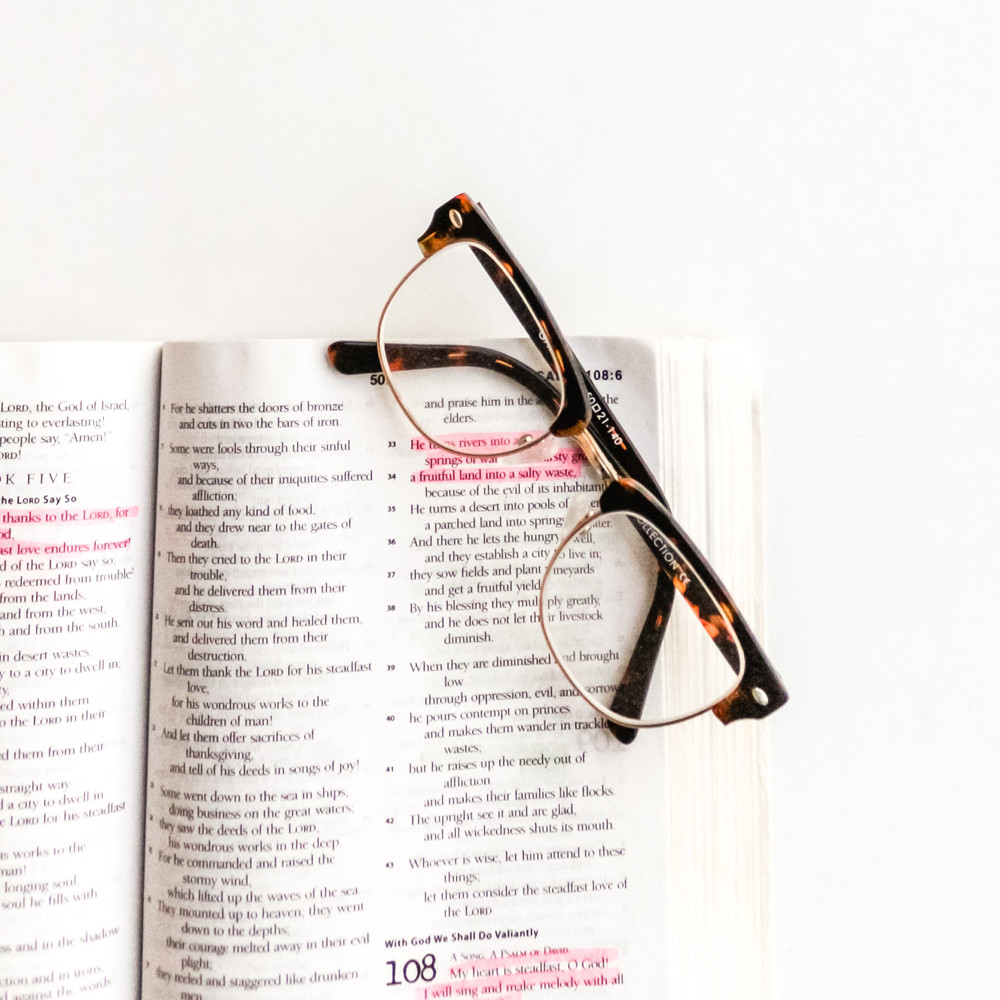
(413, 971)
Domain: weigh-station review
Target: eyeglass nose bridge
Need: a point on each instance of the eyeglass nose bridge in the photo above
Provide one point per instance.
(596, 456)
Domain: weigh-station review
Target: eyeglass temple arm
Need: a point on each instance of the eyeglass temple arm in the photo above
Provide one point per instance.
(761, 690)
(633, 687)
(360, 357)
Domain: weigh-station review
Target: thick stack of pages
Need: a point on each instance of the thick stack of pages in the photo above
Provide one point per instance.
(276, 713)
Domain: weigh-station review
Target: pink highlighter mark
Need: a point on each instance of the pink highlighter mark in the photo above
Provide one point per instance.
(445, 466)
(66, 515)
(75, 518)
(511, 975)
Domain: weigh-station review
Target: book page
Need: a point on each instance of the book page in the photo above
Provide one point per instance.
(719, 849)
(77, 454)
(366, 775)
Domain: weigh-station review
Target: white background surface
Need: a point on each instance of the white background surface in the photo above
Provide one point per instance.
(820, 181)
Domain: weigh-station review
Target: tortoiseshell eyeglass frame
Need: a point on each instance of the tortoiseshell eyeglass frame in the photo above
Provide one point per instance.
(629, 485)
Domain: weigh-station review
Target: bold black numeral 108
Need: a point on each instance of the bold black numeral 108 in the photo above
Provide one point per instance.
(412, 971)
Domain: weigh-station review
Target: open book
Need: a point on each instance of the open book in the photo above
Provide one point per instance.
(276, 714)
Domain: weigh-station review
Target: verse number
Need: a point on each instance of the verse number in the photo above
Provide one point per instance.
(606, 374)
(413, 971)
(377, 379)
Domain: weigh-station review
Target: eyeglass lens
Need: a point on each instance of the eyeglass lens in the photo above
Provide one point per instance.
(458, 360)
(595, 599)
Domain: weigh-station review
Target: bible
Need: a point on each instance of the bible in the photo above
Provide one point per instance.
(277, 716)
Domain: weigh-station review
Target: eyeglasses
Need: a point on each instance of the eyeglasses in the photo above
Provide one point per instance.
(487, 377)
